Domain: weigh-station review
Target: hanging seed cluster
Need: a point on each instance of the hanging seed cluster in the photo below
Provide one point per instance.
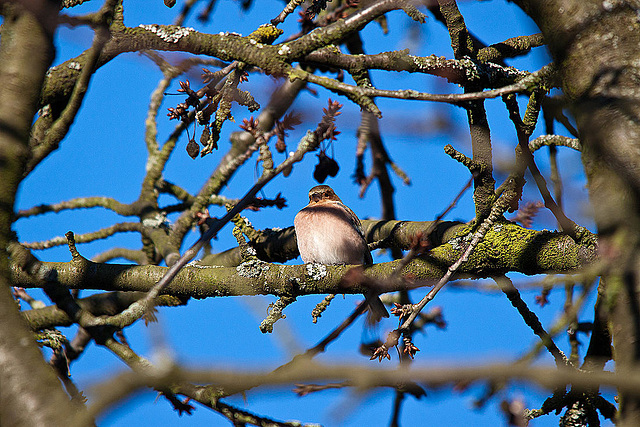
(210, 106)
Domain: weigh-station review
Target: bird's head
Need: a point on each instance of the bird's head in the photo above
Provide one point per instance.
(322, 193)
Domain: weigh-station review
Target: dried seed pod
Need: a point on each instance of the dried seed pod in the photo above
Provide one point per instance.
(326, 167)
(320, 173)
(332, 167)
(204, 138)
(193, 149)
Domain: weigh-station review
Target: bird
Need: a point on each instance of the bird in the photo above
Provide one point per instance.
(328, 232)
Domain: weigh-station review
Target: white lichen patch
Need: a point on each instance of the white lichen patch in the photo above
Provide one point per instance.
(201, 118)
(74, 65)
(45, 111)
(470, 68)
(460, 243)
(497, 228)
(293, 280)
(169, 34)
(316, 271)
(492, 70)
(251, 251)
(196, 264)
(156, 221)
(284, 50)
(252, 269)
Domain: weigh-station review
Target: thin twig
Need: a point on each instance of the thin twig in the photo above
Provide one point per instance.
(121, 227)
(358, 92)
(288, 10)
(531, 319)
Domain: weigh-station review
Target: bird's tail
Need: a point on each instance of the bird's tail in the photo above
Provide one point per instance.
(377, 309)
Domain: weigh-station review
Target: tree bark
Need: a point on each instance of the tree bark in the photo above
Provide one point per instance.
(595, 46)
(31, 394)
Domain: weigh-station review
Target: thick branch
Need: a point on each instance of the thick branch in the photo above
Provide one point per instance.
(358, 376)
(506, 247)
(99, 305)
(462, 71)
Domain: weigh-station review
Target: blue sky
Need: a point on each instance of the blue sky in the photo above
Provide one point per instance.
(104, 154)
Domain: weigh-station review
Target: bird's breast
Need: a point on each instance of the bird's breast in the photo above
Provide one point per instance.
(326, 235)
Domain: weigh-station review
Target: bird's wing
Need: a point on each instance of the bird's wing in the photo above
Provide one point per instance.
(355, 221)
(353, 218)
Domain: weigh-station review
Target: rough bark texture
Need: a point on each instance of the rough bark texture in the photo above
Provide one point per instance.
(595, 45)
(25, 54)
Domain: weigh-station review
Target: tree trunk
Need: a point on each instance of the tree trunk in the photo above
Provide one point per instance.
(595, 46)
(30, 393)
